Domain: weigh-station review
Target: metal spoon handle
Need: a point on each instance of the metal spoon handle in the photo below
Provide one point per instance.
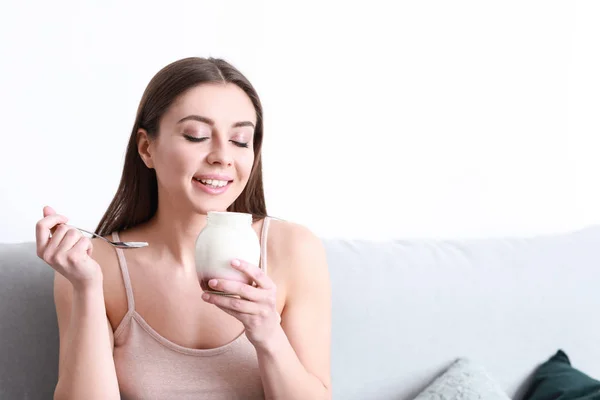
(122, 245)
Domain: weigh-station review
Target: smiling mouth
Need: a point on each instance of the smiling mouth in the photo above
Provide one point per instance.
(213, 183)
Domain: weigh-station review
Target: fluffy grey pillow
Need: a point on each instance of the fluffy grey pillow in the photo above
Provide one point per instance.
(463, 380)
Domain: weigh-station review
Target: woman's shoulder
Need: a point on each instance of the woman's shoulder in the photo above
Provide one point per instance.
(295, 248)
(115, 297)
(290, 236)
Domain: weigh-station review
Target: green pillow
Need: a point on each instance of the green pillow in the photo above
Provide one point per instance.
(556, 379)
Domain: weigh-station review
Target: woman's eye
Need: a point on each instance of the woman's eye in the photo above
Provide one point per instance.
(194, 138)
(240, 144)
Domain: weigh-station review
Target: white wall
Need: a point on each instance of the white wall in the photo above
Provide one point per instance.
(430, 118)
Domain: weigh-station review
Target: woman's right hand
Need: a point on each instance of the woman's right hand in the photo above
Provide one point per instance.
(67, 251)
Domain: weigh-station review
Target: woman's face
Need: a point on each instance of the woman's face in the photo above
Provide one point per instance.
(203, 153)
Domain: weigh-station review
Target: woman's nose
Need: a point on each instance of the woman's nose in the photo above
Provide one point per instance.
(219, 154)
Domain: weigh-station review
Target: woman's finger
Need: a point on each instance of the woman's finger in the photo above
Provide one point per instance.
(81, 249)
(234, 304)
(84, 245)
(241, 289)
(69, 240)
(43, 228)
(57, 237)
(257, 274)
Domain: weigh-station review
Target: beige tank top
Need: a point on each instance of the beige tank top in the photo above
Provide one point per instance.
(149, 366)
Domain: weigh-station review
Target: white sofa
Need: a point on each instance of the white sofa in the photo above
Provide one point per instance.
(403, 311)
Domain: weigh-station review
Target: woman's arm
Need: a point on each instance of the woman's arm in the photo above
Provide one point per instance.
(86, 366)
(295, 364)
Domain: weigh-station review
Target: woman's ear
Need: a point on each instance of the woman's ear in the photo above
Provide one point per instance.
(144, 147)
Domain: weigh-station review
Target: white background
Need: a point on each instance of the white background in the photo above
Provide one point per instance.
(383, 119)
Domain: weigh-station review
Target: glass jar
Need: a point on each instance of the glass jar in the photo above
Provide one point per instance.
(226, 236)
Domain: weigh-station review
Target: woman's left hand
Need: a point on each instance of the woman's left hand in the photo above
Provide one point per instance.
(256, 306)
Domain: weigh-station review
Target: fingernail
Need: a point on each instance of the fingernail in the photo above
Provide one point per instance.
(213, 283)
(236, 263)
(205, 296)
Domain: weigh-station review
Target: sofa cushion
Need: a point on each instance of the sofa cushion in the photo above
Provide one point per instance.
(28, 326)
(556, 379)
(404, 310)
(463, 380)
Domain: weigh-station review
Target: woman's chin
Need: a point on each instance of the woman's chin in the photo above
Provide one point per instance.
(204, 204)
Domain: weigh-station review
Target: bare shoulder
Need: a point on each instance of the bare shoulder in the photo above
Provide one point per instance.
(292, 240)
(298, 252)
(104, 254)
(289, 228)
(115, 297)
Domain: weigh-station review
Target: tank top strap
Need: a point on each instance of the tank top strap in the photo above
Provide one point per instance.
(125, 274)
(263, 244)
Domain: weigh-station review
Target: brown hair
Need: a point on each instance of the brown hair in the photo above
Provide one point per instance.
(136, 199)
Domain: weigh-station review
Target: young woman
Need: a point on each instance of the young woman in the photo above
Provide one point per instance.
(135, 323)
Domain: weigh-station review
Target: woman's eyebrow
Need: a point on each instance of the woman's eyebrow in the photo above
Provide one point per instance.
(210, 122)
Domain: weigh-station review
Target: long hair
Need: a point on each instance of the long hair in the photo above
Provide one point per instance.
(136, 199)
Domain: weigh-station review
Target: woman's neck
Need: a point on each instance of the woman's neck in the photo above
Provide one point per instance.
(174, 232)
